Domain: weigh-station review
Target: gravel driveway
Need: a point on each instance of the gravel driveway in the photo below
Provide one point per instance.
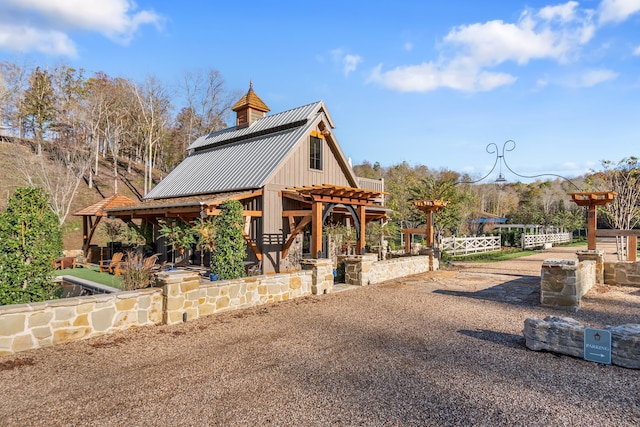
(442, 348)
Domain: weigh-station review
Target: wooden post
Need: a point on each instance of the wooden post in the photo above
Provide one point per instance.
(430, 228)
(591, 227)
(407, 242)
(632, 248)
(316, 229)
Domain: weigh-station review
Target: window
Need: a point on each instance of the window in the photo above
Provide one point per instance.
(315, 150)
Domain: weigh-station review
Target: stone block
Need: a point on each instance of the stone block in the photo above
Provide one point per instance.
(70, 334)
(12, 324)
(23, 343)
(81, 320)
(41, 332)
(101, 320)
(565, 335)
(222, 302)
(40, 318)
(125, 304)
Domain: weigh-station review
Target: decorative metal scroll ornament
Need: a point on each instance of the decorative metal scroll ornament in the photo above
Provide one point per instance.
(500, 160)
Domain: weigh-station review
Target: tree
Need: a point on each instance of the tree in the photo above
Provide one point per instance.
(38, 106)
(623, 213)
(206, 237)
(179, 234)
(227, 259)
(30, 241)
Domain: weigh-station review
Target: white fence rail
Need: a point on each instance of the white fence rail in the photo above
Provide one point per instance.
(537, 240)
(470, 245)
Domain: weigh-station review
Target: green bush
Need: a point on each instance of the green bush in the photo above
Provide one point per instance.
(229, 254)
(30, 241)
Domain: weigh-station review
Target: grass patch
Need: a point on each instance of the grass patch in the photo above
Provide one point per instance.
(503, 255)
(93, 274)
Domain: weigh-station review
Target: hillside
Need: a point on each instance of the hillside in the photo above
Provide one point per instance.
(14, 177)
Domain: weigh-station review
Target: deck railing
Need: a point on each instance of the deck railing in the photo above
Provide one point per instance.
(538, 240)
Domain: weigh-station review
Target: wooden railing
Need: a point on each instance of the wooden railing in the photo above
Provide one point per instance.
(456, 246)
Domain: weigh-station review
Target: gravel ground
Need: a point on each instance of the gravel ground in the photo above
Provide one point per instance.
(442, 348)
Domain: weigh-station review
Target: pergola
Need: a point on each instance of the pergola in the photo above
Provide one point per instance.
(91, 216)
(184, 208)
(592, 200)
(320, 201)
(430, 207)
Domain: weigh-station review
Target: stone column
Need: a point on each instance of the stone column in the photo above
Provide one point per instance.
(357, 269)
(322, 282)
(596, 255)
(563, 282)
(180, 294)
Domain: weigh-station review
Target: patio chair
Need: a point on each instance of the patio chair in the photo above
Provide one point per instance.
(112, 265)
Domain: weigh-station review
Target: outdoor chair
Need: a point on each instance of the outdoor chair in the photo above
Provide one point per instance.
(112, 265)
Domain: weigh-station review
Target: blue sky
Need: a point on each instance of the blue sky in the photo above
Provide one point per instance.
(427, 82)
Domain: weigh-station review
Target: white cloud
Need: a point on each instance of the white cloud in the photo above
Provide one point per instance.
(23, 39)
(348, 62)
(617, 10)
(594, 77)
(408, 46)
(26, 25)
(351, 63)
(470, 52)
(636, 51)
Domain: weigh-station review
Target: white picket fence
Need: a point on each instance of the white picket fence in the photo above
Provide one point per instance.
(538, 240)
(470, 245)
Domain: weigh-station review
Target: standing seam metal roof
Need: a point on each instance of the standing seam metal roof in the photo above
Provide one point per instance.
(234, 166)
(279, 120)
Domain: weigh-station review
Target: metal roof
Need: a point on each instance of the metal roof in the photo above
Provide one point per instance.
(244, 164)
(283, 120)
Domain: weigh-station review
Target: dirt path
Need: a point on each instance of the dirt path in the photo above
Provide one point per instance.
(434, 349)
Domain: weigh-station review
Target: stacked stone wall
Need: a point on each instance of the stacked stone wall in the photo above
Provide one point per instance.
(622, 273)
(42, 324)
(362, 270)
(564, 281)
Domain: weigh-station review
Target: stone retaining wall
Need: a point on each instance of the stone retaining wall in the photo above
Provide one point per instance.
(563, 282)
(42, 324)
(622, 273)
(362, 270)
(565, 335)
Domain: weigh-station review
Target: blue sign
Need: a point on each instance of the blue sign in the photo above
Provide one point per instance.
(597, 345)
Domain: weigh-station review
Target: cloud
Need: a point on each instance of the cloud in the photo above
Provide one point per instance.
(351, 63)
(614, 11)
(469, 53)
(408, 46)
(27, 25)
(594, 77)
(348, 62)
(636, 51)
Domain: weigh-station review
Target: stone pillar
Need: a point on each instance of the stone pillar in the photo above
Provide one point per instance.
(596, 255)
(564, 282)
(180, 294)
(358, 269)
(322, 282)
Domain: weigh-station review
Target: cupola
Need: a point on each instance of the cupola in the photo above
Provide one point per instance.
(249, 108)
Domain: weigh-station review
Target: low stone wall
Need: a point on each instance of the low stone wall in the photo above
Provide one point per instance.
(597, 256)
(622, 273)
(42, 324)
(188, 297)
(565, 335)
(563, 282)
(362, 270)
(178, 297)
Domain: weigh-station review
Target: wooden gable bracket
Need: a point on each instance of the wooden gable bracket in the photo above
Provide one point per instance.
(295, 231)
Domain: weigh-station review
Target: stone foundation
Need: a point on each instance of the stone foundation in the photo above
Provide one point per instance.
(564, 335)
(563, 282)
(622, 273)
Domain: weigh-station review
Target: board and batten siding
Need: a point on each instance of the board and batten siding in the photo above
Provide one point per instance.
(294, 172)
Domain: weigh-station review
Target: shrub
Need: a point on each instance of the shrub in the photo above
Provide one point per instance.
(136, 271)
(30, 241)
(229, 254)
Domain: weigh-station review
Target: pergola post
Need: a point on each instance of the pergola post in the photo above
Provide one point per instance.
(362, 212)
(316, 229)
(592, 200)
